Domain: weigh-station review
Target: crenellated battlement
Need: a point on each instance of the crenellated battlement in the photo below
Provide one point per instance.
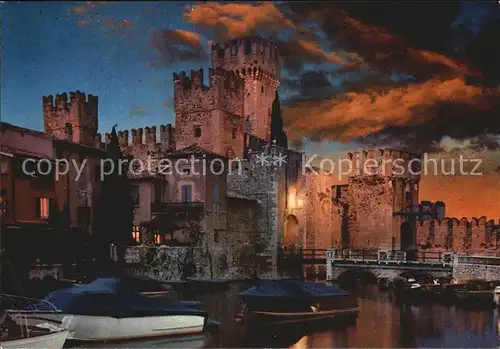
(249, 57)
(225, 92)
(72, 117)
(384, 162)
(458, 222)
(143, 136)
(457, 234)
(218, 79)
(62, 100)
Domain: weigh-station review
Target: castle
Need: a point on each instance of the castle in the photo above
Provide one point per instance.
(281, 203)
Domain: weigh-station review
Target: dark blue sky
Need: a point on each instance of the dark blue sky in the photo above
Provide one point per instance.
(45, 51)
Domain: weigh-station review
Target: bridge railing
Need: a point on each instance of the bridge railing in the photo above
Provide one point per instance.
(390, 256)
(465, 259)
(309, 254)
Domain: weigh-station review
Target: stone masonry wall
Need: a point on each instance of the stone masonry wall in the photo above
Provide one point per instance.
(216, 110)
(241, 242)
(168, 263)
(256, 61)
(453, 235)
(74, 119)
(320, 216)
(370, 212)
(486, 268)
(260, 182)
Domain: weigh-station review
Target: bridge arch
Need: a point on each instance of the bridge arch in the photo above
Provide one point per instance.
(357, 275)
(292, 231)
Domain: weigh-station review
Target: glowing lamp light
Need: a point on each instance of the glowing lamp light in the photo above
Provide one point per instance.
(300, 202)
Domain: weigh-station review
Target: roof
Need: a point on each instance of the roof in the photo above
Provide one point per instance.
(194, 149)
(4, 126)
(77, 147)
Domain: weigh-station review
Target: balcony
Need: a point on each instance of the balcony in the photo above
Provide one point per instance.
(176, 207)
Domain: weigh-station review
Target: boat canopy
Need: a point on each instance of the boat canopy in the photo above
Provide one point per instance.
(292, 288)
(110, 296)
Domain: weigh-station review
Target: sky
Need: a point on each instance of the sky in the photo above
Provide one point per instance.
(414, 76)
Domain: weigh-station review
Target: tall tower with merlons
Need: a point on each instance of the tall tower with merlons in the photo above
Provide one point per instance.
(257, 61)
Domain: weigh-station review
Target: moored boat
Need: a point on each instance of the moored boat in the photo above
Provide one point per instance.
(44, 340)
(15, 335)
(289, 301)
(475, 293)
(108, 310)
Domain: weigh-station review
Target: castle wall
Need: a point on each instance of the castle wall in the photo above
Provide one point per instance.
(75, 120)
(211, 116)
(340, 212)
(257, 61)
(370, 213)
(319, 218)
(242, 241)
(452, 235)
(142, 143)
(382, 182)
(264, 183)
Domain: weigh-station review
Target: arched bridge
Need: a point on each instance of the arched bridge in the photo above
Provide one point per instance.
(388, 263)
(383, 263)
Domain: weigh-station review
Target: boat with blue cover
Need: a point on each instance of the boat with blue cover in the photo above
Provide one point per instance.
(109, 309)
(285, 301)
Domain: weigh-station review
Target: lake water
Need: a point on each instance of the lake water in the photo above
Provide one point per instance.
(381, 324)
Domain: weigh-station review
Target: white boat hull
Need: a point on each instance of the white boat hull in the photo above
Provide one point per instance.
(103, 328)
(53, 340)
(184, 342)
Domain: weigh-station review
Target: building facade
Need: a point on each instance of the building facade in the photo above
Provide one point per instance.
(46, 199)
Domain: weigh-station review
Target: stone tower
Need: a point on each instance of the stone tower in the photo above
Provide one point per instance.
(210, 116)
(381, 183)
(257, 61)
(75, 120)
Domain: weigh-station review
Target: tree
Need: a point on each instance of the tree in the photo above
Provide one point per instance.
(115, 209)
(277, 128)
(184, 217)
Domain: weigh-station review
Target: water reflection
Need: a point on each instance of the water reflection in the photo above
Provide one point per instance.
(380, 324)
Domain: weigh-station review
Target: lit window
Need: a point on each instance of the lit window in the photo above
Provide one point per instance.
(186, 193)
(158, 239)
(42, 209)
(136, 233)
